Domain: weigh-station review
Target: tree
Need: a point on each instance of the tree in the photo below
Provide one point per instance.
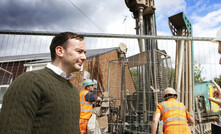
(197, 73)
(134, 74)
(218, 80)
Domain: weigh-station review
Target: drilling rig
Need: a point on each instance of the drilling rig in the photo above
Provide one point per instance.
(137, 115)
(134, 113)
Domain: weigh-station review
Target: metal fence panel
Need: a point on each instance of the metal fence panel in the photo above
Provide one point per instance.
(130, 105)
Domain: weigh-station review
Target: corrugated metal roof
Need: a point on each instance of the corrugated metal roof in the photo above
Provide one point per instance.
(27, 57)
(45, 57)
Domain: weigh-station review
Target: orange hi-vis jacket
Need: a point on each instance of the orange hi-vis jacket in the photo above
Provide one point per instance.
(174, 115)
(86, 106)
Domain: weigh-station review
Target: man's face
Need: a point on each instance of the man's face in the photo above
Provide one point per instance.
(91, 88)
(74, 55)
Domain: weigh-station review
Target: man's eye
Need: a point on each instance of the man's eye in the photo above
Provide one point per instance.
(80, 51)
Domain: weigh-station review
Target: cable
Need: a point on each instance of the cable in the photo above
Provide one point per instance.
(86, 15)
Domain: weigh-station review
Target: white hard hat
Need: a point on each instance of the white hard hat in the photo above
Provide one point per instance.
(169, 90)
(218, 36)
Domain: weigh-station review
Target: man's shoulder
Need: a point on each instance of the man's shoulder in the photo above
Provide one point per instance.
(31, 75)
(161, 103)
(90, 93)
(84, 91)
(34, 72)
(179, 103)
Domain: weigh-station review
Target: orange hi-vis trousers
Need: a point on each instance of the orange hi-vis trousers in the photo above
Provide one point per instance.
(83, 126)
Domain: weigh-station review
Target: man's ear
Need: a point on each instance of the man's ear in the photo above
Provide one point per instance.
(59, 51)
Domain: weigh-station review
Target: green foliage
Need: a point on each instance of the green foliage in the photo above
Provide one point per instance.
(134, 74)
(197, 73)
(218, 80)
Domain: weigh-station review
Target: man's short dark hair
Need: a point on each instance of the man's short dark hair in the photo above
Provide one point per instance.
(60, 40)
(168, 96)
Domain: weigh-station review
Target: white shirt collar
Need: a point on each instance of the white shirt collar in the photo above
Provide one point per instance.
(58, 71)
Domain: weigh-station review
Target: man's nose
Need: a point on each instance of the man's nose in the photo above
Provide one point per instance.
(83, 57)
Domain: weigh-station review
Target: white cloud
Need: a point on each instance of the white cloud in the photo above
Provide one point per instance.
(206, 26)
(166, 8)
(122, 27)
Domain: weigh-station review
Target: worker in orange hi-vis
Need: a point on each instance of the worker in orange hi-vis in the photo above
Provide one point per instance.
(86, 99)
(176, 118)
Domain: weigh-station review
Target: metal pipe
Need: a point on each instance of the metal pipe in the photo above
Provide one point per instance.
(155, 84)
(123, 95)
(142, 49)
(99, 35)
(180, 68)
(140, 23)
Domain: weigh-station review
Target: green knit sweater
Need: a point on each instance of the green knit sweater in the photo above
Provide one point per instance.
(40, 102)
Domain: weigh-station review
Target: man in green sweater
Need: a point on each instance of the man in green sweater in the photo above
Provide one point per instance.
(44, 101)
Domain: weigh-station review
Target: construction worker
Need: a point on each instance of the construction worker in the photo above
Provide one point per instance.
(217, 91)
(174, 114)
(86, 99)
